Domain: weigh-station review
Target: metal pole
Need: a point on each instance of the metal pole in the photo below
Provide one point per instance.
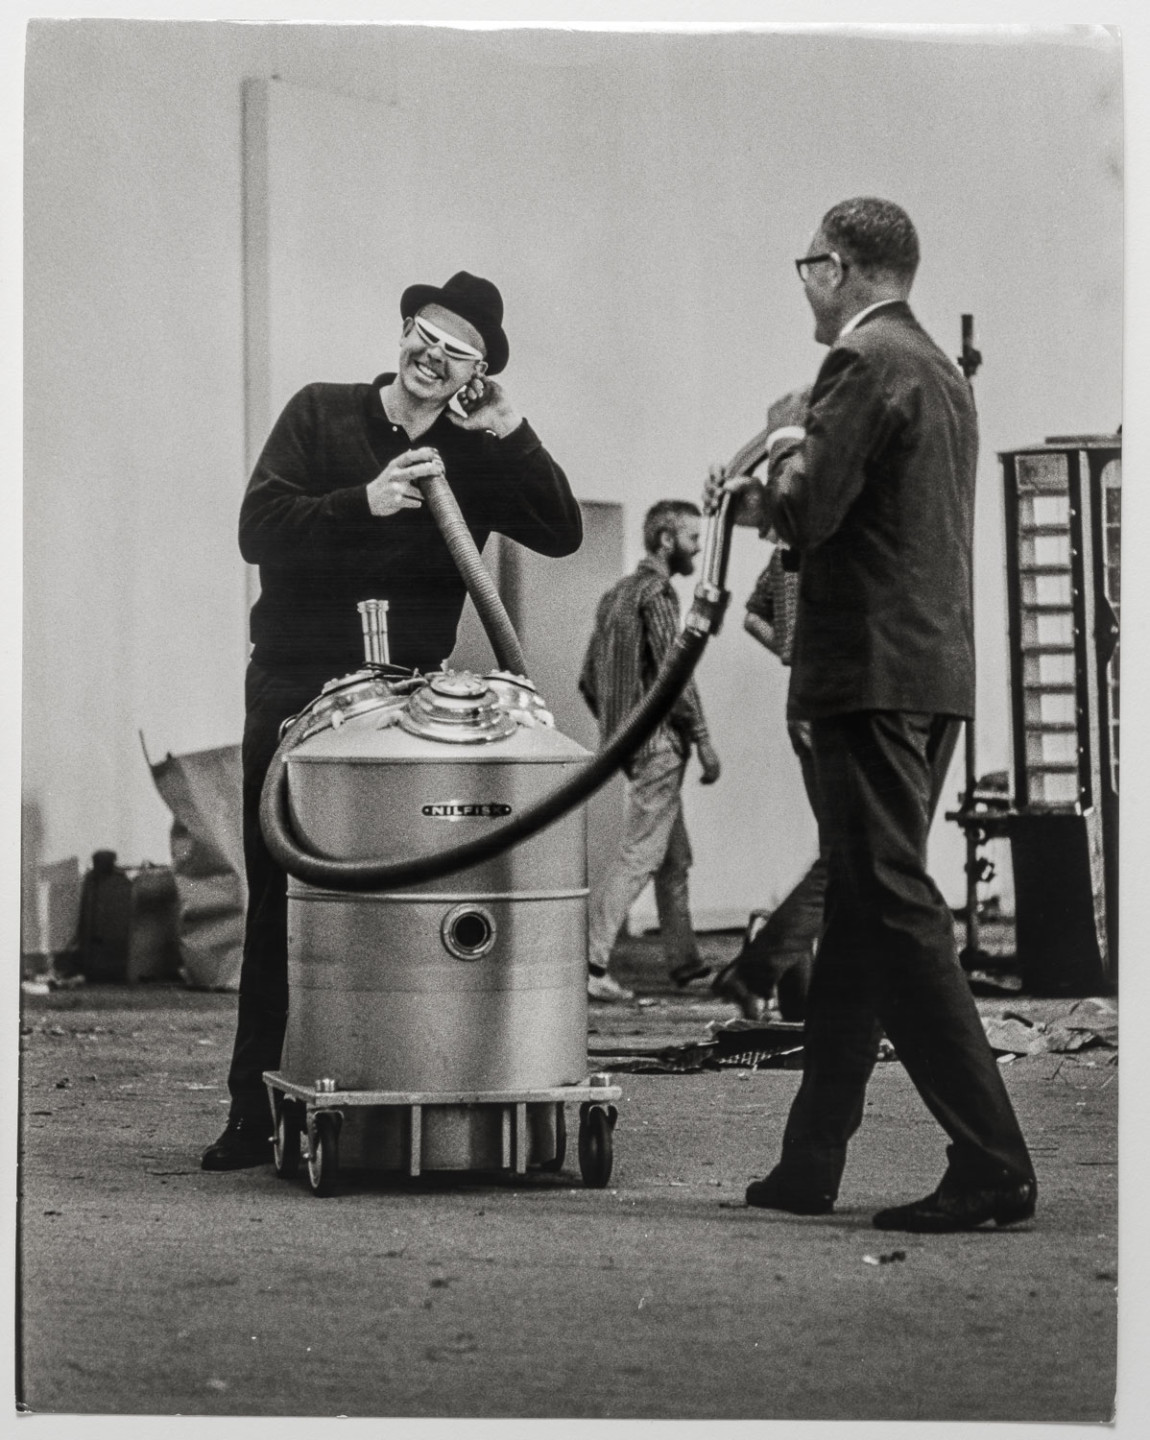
(969, 361)
(972, 857)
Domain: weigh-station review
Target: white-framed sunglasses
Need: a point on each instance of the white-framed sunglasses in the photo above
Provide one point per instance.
(454, 349)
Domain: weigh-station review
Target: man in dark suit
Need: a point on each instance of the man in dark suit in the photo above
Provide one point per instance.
(872, 482)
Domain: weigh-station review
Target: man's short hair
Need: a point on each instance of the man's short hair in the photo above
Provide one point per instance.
(665, 515)
(874, 235)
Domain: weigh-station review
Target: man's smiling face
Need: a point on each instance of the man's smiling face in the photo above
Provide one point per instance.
(439, 352)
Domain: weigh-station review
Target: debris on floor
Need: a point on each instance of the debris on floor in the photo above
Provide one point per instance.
(1082, 1024)
(1015, 1030)
(1011, 1035)
(734, 1044)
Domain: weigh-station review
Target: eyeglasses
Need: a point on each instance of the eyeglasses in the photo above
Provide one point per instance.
(801, 264)
(454, 349)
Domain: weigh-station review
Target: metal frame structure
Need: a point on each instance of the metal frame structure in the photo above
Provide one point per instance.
(1062, 504)
(320, 1110)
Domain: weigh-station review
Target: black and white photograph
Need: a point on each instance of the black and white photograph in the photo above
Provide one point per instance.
(566, 592)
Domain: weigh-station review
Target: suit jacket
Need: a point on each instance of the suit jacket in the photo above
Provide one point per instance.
(879, 500)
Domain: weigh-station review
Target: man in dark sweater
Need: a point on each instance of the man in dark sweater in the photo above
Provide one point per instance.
(333, 516)
(872, 482)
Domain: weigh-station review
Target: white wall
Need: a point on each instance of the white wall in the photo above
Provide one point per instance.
(639, 199)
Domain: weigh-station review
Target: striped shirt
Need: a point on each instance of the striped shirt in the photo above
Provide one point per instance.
(635, 625)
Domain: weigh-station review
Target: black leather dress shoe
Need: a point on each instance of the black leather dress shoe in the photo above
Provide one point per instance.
(774, 1193)
(727, 986)
(962, 1207)
(692, 970)
(244, 1143)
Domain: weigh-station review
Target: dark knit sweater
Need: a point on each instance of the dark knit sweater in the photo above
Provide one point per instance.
(305, 522)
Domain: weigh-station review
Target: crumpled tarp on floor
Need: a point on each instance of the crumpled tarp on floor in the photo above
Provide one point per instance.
(1059, 1027)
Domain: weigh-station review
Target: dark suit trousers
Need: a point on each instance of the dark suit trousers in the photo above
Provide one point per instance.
(270, 698)
(888, 961)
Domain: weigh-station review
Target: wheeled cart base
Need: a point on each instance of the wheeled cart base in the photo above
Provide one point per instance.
(413, 1132)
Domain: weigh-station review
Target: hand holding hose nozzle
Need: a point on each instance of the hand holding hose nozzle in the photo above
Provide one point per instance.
(734, 482)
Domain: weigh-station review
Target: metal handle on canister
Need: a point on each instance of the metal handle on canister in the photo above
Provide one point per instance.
(373, 618)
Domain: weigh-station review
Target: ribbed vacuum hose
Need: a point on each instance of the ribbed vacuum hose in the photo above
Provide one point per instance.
(332, 874)
(480, 586)
(703, 621)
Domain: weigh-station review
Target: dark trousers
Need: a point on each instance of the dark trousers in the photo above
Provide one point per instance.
(270, 698)
(888, 961)
(780, 953)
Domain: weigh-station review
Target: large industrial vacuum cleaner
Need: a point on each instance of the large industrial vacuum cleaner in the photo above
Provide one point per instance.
(438, 966)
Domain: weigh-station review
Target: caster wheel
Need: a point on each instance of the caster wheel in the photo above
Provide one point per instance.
(286, 1141)
(323, 1155)
(556, 1162)
(595, 1147)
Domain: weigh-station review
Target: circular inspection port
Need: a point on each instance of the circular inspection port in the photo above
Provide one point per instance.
(468, 931)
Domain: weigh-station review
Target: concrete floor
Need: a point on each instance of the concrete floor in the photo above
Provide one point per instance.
(150, 1287)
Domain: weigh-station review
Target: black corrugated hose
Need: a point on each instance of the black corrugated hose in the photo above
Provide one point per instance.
(703, 621)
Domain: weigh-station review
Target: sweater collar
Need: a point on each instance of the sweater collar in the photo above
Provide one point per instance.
(379, 416)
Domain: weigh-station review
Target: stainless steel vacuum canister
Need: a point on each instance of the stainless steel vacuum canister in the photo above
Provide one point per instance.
(474, 981)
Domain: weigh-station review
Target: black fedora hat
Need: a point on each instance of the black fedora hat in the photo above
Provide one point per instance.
(476, 300)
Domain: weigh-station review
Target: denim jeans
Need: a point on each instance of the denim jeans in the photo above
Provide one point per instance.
(655, 847)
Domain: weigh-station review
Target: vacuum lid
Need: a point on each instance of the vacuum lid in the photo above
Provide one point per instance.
(458, 707)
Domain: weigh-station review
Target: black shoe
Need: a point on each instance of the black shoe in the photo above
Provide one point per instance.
(692, 970)
(245, 1142)
(774, 1193)
(953, 1207)
(727, 986)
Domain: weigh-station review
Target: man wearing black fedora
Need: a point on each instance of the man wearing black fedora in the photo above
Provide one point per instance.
(332, 516)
